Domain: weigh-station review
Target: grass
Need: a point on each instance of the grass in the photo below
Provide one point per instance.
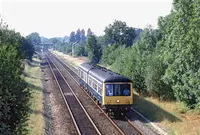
(75, 61)
(173, 117)
(33, 78)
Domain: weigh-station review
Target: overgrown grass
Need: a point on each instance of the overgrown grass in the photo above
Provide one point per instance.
(174, 117)
(33, 78)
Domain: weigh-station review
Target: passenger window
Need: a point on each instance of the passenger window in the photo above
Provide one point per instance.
(109, 89)
(99, 88)
(90, 81)
(95, 84)
(82, 74)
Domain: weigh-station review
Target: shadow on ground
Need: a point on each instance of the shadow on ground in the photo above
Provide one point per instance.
(38, 112)
(151, 111)
(34, 87)
(34, 63)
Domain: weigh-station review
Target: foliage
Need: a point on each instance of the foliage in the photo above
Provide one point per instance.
(68, 49)
(78, 50)
(89, 32)
(14, 95)
(72, 37)
(78, 35)
(181, 50)
(119, 33)
(27, 48)
(165, 62)
(153, 79)
(129, 64)
(82, 35)
(133, 61)
(77, 40)
(110, 54)
(35, 40)
(93, 49)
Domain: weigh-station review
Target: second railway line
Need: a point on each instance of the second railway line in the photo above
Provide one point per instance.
(82, 120)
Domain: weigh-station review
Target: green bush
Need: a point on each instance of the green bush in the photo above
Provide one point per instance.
(155, 70)
(14, 95)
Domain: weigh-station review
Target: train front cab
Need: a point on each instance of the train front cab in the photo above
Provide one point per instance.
(116, 96)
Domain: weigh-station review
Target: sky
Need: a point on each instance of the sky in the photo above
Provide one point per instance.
(58, 18)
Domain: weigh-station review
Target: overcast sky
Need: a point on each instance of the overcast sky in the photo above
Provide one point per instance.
(55, 18)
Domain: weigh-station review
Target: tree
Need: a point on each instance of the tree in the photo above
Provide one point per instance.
(181, 50)
(78, 50)
(133, 61)
(119, 33)
(72, 37)
(83, 38)
(35, 40)
(13, 91)
(27, 49)
(155, 70)
(93, 49)
(89, 32)
(78, 35)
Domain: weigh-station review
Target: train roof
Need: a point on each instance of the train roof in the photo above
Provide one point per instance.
(103, 74)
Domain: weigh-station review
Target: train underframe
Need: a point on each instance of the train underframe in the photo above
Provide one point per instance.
(116, 110)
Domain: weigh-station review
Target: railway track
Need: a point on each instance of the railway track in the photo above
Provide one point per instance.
(124, 125)
(82, 121)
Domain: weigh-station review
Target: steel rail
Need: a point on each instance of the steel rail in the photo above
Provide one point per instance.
(137, 129)
(70, 112)
(97, 130)
(113, 123)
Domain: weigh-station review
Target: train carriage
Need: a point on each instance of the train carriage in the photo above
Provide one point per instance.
(113, 91)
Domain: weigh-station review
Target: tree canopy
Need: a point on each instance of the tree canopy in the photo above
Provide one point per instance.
(93, 49)
(181, 49)
(119, 33)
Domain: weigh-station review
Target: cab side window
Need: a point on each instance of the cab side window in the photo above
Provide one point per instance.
(109, 89)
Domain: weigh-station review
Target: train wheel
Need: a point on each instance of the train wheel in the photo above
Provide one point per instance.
(97, 101)
(109, 114)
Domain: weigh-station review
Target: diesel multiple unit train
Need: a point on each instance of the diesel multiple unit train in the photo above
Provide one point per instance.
(112, 91)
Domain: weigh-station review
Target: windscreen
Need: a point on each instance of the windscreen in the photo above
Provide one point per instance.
(118, 90)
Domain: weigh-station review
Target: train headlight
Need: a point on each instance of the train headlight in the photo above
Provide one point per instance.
(109, 101)
(127, 101)
(117, 100)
